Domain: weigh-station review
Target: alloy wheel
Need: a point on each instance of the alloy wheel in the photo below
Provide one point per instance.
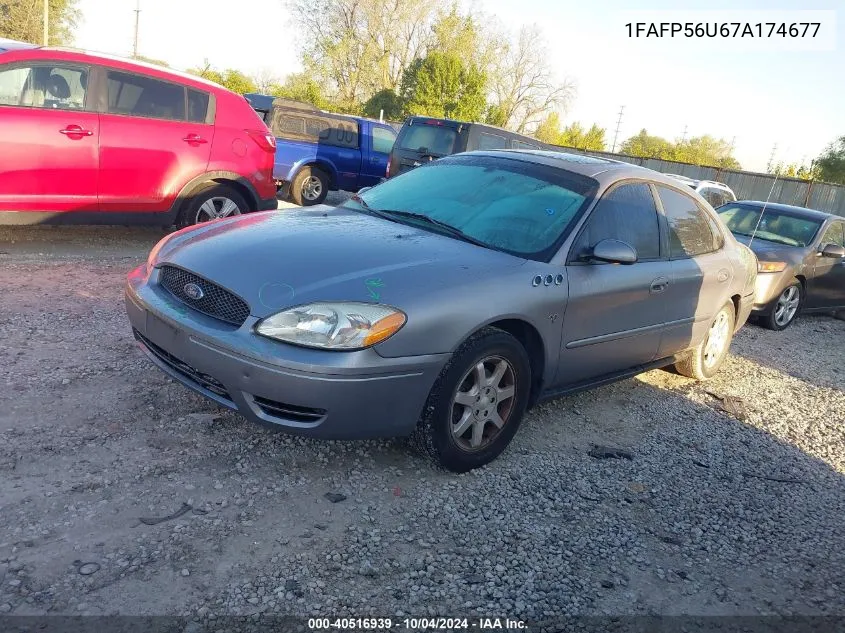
(216, 208)
(717, 339)
(312, 187)
(483, 403)
(787, 305)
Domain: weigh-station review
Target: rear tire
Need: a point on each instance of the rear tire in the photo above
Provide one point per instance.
(213, 202)
(785, 308)
(477, 403)
(310, 186)
(705, 360)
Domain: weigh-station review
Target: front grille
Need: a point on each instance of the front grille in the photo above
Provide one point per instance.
(184, 369)
(288, 411)
(216, 302)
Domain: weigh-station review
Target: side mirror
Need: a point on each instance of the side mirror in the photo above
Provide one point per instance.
(615, 252)
(833, 250)
(363, 189)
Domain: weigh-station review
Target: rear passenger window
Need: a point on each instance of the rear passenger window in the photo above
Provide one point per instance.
(628, 214)
(137, 95)
(689, 225)
(197, 106)
(383, 140)
(491, 141)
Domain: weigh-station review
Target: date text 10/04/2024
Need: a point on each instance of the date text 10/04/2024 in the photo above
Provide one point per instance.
(416, 624)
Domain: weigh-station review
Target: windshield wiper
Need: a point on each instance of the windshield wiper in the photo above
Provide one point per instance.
(448, 228)
(393, 215)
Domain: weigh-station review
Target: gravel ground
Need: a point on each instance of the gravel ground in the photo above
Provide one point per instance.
(715, 513)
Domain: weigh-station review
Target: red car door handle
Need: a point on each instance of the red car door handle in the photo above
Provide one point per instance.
(194, 138)
(75, 130)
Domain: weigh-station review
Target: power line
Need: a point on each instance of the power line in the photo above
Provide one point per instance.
(137, 19)
(618, 124)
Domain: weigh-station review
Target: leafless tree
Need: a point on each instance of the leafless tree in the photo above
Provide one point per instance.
(524, 88)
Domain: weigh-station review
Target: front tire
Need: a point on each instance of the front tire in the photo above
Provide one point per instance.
(785, 308)
(212, 203)
(309, 187)
(477, 403)
(705, 360)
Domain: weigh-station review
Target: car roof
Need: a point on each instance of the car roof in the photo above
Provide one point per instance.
(60, 53)
(695, 182)
(605, 170)
(787, 209)
(14, 45)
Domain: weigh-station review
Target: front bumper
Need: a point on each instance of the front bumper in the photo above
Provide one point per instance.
(330, 395)
(768, 288)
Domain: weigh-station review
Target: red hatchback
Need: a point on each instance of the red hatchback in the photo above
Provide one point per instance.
(97, 139)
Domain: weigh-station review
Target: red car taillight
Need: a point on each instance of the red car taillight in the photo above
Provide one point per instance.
(264, 139)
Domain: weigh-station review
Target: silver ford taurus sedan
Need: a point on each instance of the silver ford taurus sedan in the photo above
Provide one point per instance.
(443, 303)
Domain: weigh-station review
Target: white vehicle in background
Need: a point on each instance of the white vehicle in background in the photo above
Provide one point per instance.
(716, 193)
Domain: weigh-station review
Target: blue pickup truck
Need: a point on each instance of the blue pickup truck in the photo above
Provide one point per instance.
(320, 151)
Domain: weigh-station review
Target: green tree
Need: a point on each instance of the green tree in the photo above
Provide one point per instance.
(300, 87)
(358, 47)
(441, 85)
(831, 163)
(706, 150)
(234, 80)
(386, 101)
(24, 20)
(548, 130)
(645, 145)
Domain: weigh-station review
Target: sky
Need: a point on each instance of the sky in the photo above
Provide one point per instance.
(756, 97)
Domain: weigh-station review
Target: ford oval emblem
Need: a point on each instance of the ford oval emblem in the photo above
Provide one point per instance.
(193, 291)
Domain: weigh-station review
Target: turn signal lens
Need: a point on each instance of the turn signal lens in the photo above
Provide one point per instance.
(384, 328)
(770, 267)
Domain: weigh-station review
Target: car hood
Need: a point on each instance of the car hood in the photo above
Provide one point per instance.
(770, 251)
(279, 259)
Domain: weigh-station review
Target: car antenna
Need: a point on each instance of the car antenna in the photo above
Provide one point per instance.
(760, 219)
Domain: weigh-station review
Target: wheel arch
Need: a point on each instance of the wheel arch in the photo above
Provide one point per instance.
(231, 179)
(323, 165)
(531, 340)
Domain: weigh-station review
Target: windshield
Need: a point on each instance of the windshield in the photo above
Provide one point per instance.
(425, 138)
(774, 226)
(525, 209)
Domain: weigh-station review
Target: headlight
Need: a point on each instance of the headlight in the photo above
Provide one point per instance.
(770, 267)
(341, 326)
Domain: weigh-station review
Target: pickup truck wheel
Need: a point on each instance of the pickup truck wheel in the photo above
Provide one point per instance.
(310, 186)
(212, 203)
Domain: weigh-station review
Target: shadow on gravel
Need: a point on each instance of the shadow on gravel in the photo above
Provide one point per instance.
(811, 349)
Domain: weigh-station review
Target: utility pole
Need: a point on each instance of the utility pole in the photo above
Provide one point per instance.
(46, 34)
(137, 18)
(684, 137)
(772, 158)
(618, 124)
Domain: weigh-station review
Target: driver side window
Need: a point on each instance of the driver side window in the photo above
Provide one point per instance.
(833, 235)
(44, 86)
(627, 214)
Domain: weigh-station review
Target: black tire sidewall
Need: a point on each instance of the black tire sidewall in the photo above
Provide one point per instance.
(770, 322)
(438, 422)
(296, 186)
(189, 213)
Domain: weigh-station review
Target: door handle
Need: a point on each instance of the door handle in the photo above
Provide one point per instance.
(659, 285)
(194, 138)
(75, 130)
